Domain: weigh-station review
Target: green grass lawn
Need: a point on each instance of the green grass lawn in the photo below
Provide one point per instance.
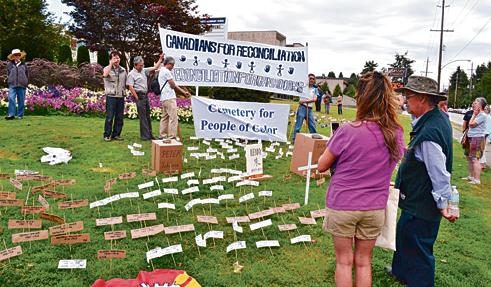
(461, 249)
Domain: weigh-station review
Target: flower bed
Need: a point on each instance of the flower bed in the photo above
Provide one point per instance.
(80, 101)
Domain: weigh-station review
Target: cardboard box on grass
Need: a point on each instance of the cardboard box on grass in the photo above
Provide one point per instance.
(167, 157)
(304, 143)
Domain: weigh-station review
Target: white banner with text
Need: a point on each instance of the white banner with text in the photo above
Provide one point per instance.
(245, 120)
(202, 61)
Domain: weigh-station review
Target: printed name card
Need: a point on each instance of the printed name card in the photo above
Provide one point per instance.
(179, 229)
(28, 209)
(210, 201)
(17, 184)
(267, 243)
(190, 190)
(301, 238)
(67, 228)
(216, 187)
(260, 224)
(10, 252)
(111, 254)
(65, 182)
(237, 228)
(207, 219)
(43, 201)
(236, 245)
(147, 231)
(52, 218)
(291, 206)
(200, 241)
(318, 213)
(246, 197)
(114, 235)
(27, 224)
(225, 197)
(109, 184)
(170, 179)
(152, 194)
(54, 194)
(248, 183)
(307, 220)
(287, 227)
(193, 182)
(267, 193)
(149, 172)
(4, 176)
(187, 175)
(166, 205)
(278, 209)
(73, 204)
(141, 217)
(234, 178)
(72, 264)
(213, 234)
(261, 214)
(127, 176)
(30, 236)
(109, 221)
(239, 219)
(192, 203)
(8, 195)
(171, 191)
(193, 148)
(145, 185)
(16, 202)
(159, 252)
(234, 156)
(43, 187)
(70, 239)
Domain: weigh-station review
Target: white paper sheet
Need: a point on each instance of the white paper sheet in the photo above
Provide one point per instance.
(166, 205)
(260, 224)
(301, 238)
(72, 264)
(267, 243)
(152, 194)
(246, 197)
(236, 245)
(237, 228)
(145, 185)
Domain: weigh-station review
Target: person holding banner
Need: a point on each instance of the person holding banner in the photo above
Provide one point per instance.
(168, 87)
(304, 111)
(138, 85)
(366, 152)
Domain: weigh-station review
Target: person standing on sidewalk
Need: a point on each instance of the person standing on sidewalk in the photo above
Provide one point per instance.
(138, 85)
(114, 88)
(17, 79)
(423, 179)
(169, 120)
(477, 142)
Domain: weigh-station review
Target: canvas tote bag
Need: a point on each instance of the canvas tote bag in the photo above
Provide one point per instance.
(387, 239)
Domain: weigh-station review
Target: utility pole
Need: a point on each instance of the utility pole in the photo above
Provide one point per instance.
(456, 88)
(441, 42)
(426, 70)
(470, 84)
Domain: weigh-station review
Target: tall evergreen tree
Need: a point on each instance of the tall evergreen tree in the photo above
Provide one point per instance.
(402, 61)
(340, 76)
(337, 91)
(370, 66)
(103, 57)
(83, 55)
(331, 75)
(65, 55)
(458, 92)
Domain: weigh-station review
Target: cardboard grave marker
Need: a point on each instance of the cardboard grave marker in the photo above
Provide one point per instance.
(236, 246)
(318, 213)
(115, 235)
(70, 239)
(43, 187)
(246, 197)
(28, 209)
(151, 194)
(66, 228)
(111, 254)
(16, 202)
(213, 234)
(287, 227)
(278, 209)
(210, 201)
(190, 190)
(192, 203)
(52, 218)
(30, 236)
(261, 214)
(207, 219)
(109, 184)
(17, 184)
(301, 238)
(171, 191)
(145, 185)
(73, 204)
(54, 194)
(237, 228)
(43, 201)
(109, 221)
(225, 197)
(187, 175)
(8, 195)
(178, 229)
(10, 252)
(307, 220)
(159, 252)
(65, 182)
(127, 175)
(291, 206)
(166, 205)
(25, 224)
(200, 241)
(147, 231)
(260, 224)
(149, 172)
(239, 219)
(266, 193)
(72, 264)
(267, 243)
(170, 179)
(141, 217)
(4, 176)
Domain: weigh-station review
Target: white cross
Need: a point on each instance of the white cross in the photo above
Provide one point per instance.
(308, 168)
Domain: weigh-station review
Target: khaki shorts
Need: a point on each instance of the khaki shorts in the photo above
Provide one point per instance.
(364, 225)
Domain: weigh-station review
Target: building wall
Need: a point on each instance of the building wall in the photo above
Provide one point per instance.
(331, 82)
(264, 37)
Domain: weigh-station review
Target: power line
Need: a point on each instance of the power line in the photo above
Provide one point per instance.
(467, 14)
(458, 16)
(475, 36)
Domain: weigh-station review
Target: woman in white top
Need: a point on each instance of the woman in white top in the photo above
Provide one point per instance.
(474, 151)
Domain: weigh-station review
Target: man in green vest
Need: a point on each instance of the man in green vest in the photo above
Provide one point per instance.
(424, 183)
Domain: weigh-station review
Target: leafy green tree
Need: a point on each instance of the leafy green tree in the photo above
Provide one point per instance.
(337, 91)
(331, 75)
(370, 66)
(340, 75)
(483, 86)
(83, 55)
(460, 84)
(103, 57)
(350, 91)
(353, 80)
(131, 26)
(324, 87)
(402, 61)
(64, 55)
(28, 26)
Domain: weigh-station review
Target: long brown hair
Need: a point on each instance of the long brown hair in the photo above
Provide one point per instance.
(376, 102)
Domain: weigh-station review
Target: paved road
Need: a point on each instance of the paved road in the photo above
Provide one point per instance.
(457, 133)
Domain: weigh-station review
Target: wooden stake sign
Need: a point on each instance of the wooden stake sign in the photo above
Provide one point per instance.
(17, 184)
(109, 221)
(54, 194)
(17, 202)
(147, 231)
(30, 236)
(111, 254)
(28, 209)
(52, 218)
(141, 217)
(66, 228)
(127, 176)
(10, 252)
(8, 195)
(207, 219)
(25, 224)
(115, 235)
(4, 176)
(65, 182)
(73, 204)
(70, 239)
(43, 187)
(307, 220)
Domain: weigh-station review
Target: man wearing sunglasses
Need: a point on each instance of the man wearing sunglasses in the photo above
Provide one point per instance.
(304, 111)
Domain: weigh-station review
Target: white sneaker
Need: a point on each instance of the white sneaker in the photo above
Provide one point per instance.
(475, 181)
(468, 178)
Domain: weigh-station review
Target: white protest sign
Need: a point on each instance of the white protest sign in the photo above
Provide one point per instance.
(227, 119)
(254, 160)
(201, 61)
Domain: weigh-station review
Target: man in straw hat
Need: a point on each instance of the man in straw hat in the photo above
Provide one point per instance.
(424, 183)
(17, 78)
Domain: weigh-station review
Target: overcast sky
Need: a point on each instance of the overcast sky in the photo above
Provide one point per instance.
(343, 34)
